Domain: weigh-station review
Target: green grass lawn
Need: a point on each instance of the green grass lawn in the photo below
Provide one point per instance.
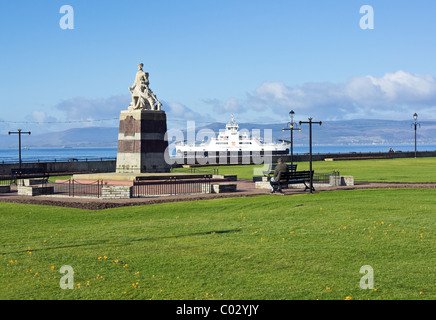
(267, 247)
(384, 170)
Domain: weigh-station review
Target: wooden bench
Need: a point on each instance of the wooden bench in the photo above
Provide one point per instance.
(272, 167)
(293, 177)
(25, 173)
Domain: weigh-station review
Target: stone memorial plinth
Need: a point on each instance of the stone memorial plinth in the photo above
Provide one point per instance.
(142, 147)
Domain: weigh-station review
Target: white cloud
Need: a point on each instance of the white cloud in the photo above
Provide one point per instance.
(393, 95)
(81, 108)
(178, 111)
(232, 105)
(40, 117)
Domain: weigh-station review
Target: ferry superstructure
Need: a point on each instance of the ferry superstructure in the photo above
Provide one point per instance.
(233, 142)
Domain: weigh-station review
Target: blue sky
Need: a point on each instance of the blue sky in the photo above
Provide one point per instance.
(208, 59)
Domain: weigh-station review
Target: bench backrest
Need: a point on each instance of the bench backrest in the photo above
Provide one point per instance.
(272, 167)
(296, 175)
(28, 171)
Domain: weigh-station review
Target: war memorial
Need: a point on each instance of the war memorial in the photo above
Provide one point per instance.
(142, 146)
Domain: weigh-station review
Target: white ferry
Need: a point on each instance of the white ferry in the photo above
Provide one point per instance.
(233, 142)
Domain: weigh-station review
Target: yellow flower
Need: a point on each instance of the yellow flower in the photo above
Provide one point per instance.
(116, 261)
(348, 298)
(52, 267)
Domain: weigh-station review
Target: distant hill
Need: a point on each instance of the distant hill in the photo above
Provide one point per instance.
(79, 137)
(350, 132)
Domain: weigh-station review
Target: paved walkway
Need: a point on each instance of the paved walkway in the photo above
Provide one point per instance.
(245, 188)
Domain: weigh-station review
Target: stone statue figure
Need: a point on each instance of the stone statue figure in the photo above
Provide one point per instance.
(142, 96)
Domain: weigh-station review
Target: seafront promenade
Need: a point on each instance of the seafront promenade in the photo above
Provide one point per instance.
(82, 166)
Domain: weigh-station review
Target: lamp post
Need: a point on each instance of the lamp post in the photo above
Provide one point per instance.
(291, 129)
(19, 132)
(310, 122)
(416, 124)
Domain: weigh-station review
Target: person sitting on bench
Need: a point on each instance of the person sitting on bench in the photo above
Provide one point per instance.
(281, 166)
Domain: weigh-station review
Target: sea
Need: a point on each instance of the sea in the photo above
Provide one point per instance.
(92, 154)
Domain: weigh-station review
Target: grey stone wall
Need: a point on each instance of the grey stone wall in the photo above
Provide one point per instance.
(116, 192)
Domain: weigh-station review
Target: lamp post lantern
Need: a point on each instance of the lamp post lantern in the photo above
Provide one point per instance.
(292, 128)
(310, 122)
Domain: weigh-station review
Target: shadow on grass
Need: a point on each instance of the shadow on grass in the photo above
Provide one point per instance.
(100, 242)
(188, 235)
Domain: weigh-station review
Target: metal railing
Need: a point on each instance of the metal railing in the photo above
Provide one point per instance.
(171, 187)
(73, 188)
(205, 170)
(61, 159)
(324, 178)
(70, 187)
(6, 181)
